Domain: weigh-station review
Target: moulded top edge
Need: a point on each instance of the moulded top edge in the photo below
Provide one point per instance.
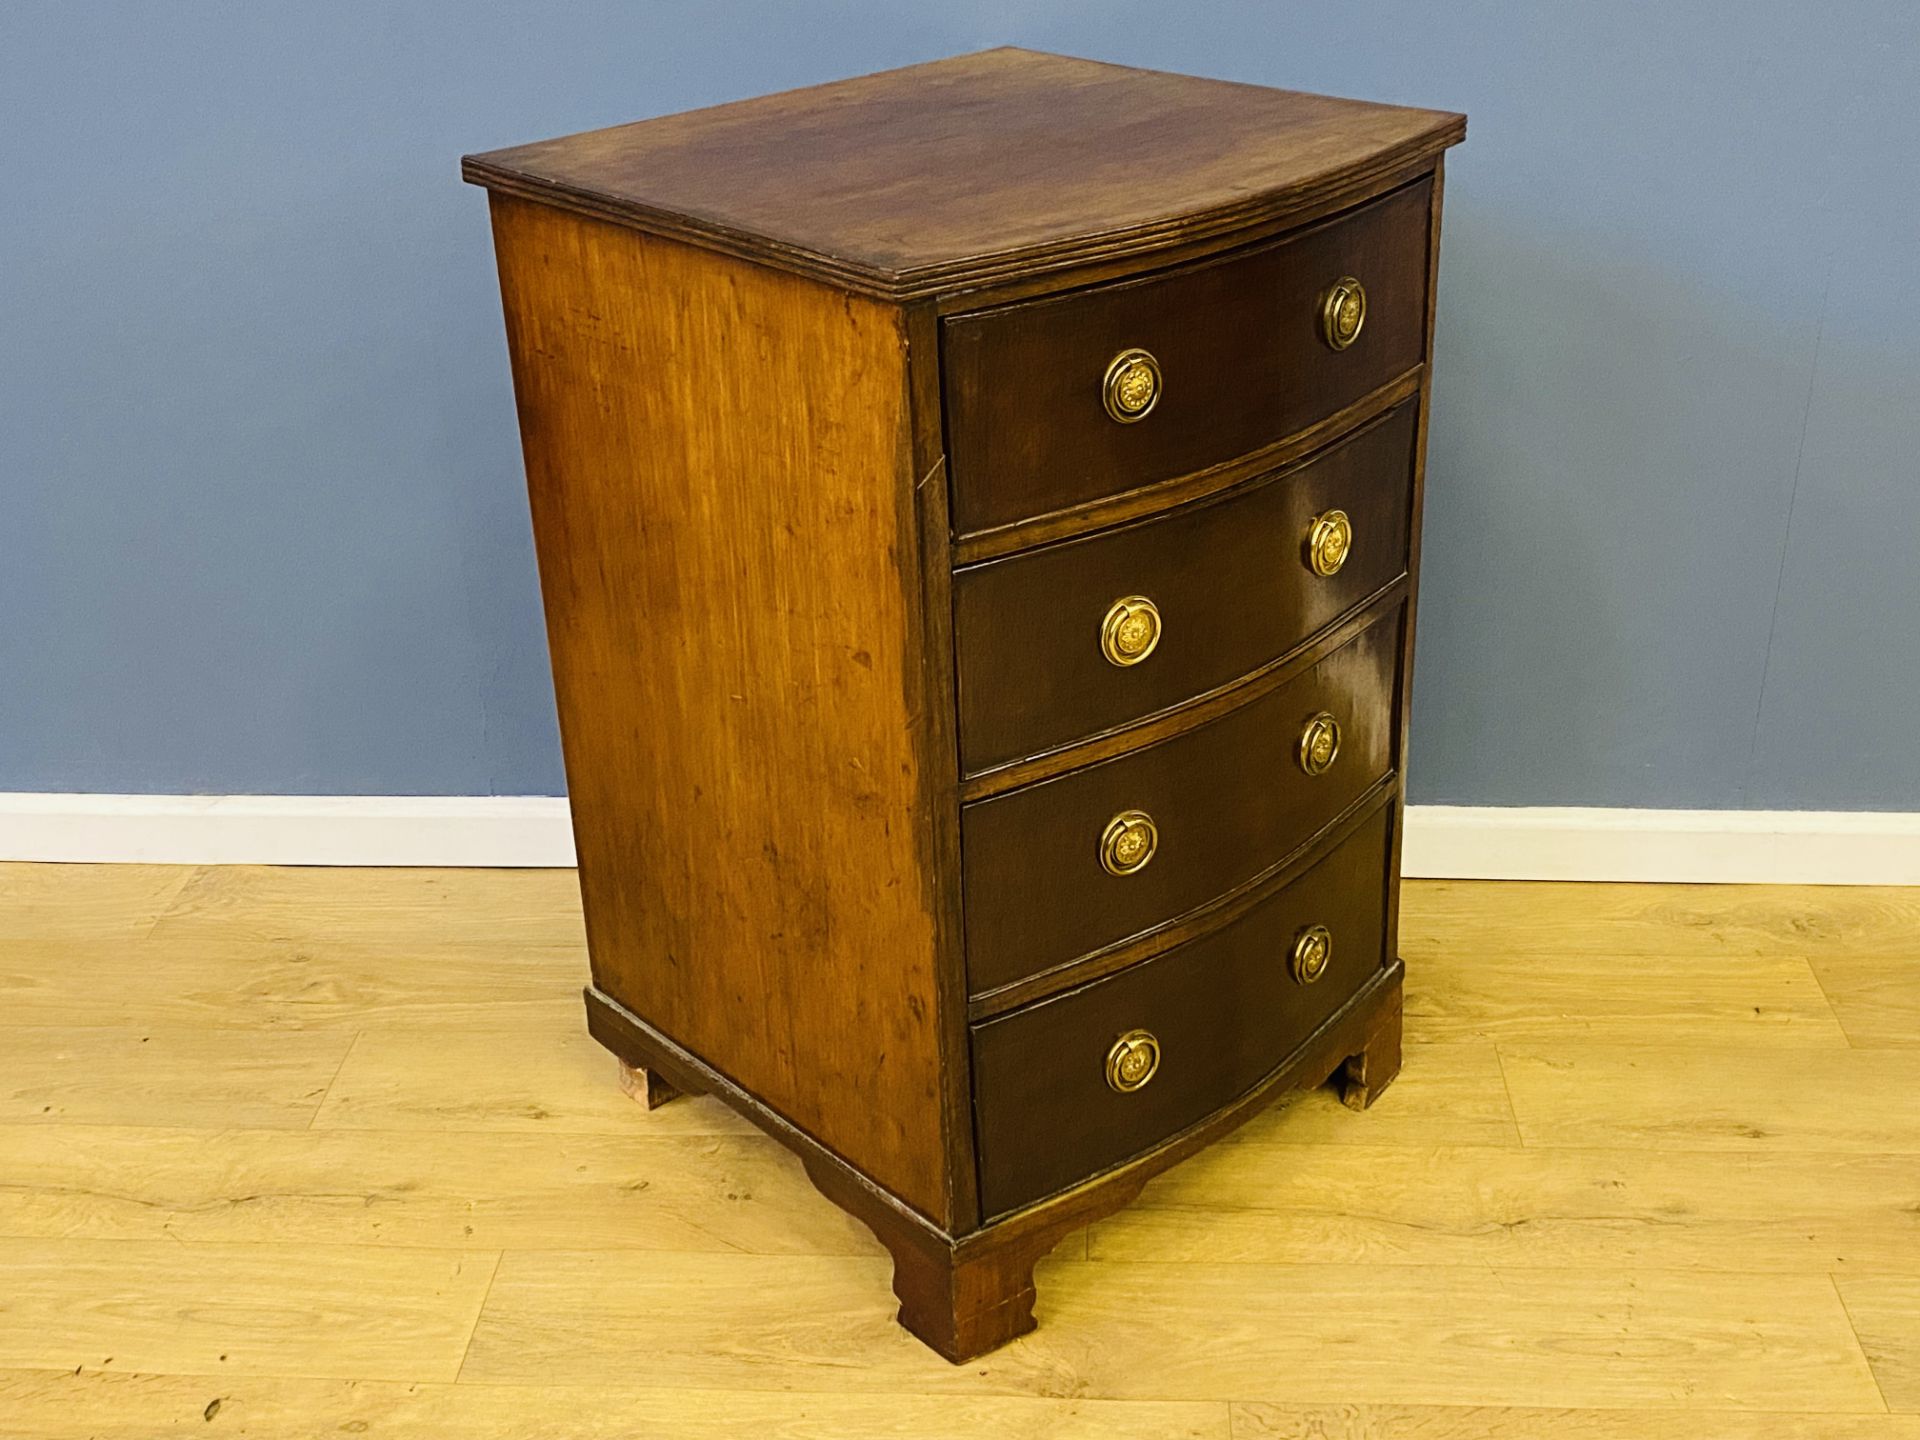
(973, 170)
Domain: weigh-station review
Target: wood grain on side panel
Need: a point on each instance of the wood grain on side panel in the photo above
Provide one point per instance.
(718, 457)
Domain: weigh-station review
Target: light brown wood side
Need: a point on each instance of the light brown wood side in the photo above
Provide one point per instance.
(718, 456)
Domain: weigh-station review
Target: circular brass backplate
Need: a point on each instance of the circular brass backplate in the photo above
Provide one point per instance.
(1329, 542)
(1132, 1061)
(1130, 631)
(1320, 743)
(1132, 386)
(1128, 842)
(1312, 953)
(1343, 310)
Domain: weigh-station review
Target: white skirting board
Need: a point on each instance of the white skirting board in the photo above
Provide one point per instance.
(1814, 847)
(453, 830)
(1760, 847)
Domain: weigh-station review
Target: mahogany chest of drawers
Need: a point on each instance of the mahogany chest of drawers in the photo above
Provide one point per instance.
(978, 517)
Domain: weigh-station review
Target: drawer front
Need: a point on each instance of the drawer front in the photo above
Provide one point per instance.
(1050, 876)
(1231, 583)
(1223, 1012)
(1242, 355)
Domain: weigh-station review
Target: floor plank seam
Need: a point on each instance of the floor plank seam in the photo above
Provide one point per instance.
(1826, 999)
(194, 873)
(313, 1120)
(480, 1310)
(1859, 1342)
(446, 1249)
(1578, 1147)
(1513, 1110)
(1811, 1272)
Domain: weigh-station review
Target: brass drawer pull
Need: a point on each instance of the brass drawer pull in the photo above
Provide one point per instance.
(1130, 631)
(1320, 743)
(1343, 310)
(1312, 953)
(1132, 386)
(1128, 842)
(1329, 542)
(1132, 1060)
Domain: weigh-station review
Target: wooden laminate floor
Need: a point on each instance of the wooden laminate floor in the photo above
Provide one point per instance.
(325, 1152)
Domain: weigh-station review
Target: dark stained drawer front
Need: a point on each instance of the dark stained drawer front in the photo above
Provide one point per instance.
(1241, 350)
(1048, 876)
(1222, 1012)
(1231, 583)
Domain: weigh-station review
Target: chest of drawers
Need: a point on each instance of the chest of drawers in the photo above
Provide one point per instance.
(978, 519)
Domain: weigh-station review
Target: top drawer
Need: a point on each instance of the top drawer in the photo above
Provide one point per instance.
(1242, 353)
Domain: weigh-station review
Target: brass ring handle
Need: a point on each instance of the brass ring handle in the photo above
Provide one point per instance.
(1132, 386)
(1320, 743)
(1343, 310)
(1128, 842)
(1130, 631)
(1312, 953)
(1329, 542)
(1132, 1061)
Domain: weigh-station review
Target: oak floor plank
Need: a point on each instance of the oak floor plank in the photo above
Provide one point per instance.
(1690, 1098)
(1434, 1422)
(1885, 1310)
(1877, 997)
(1302, 1333)
(1713, 1086)
(181, 1077)
(552, 1079)
(329, 1311)
(1467, 917)
(1763, 1001)
(223, 983)
(1595, 1209)
(394, 906)
(1446, 1095)
(96, 1405)
(452, 1190)
(46, 903)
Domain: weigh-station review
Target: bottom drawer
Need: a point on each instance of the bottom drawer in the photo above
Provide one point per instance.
(1055, 1092)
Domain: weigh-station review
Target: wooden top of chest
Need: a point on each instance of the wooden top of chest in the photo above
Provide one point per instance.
(974, 170)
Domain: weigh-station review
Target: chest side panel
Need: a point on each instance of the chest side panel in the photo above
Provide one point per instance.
(715, 453)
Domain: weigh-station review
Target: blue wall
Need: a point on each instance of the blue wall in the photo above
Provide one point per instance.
(261, 519)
